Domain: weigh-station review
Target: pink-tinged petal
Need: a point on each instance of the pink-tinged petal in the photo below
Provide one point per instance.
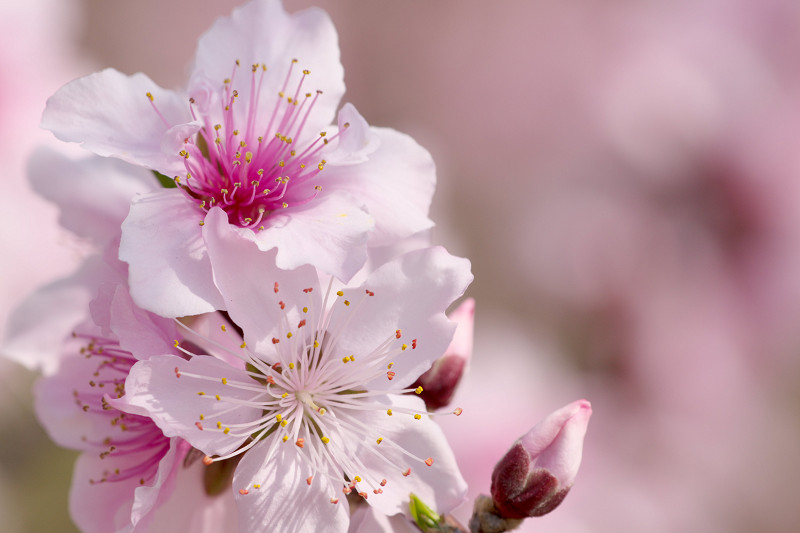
(37, 328)
(356, 141)
(284, 500)
(440, 485)
(411, 294)
(262, 32)
(170, 273)
(329, 233)
(110, 114)
(63, 419)
(396, 182)
(365, 519)
(99, 507)
(176, 404)
(93, 193)
(536, 474)
(253, 286)
(141, 333)
(150, 497)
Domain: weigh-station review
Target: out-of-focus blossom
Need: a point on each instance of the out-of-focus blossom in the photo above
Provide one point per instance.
(535, 475)
(316, 406)
(251, 137)
(440, 381)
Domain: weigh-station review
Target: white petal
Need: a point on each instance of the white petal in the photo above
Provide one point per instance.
(262, 32)
(285, 501)
(110, 114)
(170, 273)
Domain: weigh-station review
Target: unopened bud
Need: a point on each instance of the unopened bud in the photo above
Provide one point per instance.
(440, 381)
(536, 474)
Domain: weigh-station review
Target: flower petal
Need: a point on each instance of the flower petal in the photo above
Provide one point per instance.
(440, 485)
(285, 501)
(262, 32)
(93, 194)
(110, 114)
(176, 405)
(253, 286)
(411, 293)
(395, 183)
(170, 273)
(330, 233)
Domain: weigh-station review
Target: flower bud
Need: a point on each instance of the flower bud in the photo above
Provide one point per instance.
(440, 381)
(537, 472)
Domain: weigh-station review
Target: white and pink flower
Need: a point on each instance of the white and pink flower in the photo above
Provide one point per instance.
(251, 136)
(320, 404)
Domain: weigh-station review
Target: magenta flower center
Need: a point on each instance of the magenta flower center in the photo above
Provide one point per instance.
(251, 157)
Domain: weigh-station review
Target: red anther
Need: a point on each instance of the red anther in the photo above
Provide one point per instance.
(177, 372)
(390, 374)
(243, 491)
(383, 483)
(270, 380)
(334, 500)
(429, 461)
(407, 473)
(346, 489)
(301, 442)
(199, 426)
(414, 344)
(275, 288)
(282, 304)
(308, 479)
(275, 340)
(458, 411)
(370, 293)
(207, 460)
(276, 367)
(377, 491)
(363, 495)
(302, 323)
(398, 334)
(308, 290)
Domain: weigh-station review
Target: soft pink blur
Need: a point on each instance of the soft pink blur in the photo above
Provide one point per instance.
(625, 177)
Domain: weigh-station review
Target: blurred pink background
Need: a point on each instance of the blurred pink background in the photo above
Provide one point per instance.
(625, 178)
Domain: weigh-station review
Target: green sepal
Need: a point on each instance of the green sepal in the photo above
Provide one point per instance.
(425, 517)
(165, 181)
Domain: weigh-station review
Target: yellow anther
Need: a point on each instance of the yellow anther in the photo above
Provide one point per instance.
(224, 381)
(316, 344)
(417, 416)
(357, 479)
(243, 345)
(305, 309)
(345, 359)
(201, 393)
(347, 302)
(223, 328)
(403, 347)
(352, 357)
(339, 293)
(284, 423)
(306, 72)
(226, 430)
(285, 438)
(390, 365)
(418, 390)
(291, 365)
(320, 166)
(285, 205)
(325, 440)
(219, 425)
(278, 417)
(150, 96)
(202, 416)
(289, 336)
(217, 397)
(389, 412)
(322, 411)
(284, 395)
(175, 343)
(380, 439)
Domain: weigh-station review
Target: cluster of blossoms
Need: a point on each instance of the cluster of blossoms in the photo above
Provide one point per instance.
(260, 339)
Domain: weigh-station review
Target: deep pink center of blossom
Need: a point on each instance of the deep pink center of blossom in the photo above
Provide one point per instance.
(251, 158)
(133, 446)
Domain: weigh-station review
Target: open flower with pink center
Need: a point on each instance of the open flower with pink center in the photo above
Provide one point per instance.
(252, 136)
(319, 405)
(128, 467)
